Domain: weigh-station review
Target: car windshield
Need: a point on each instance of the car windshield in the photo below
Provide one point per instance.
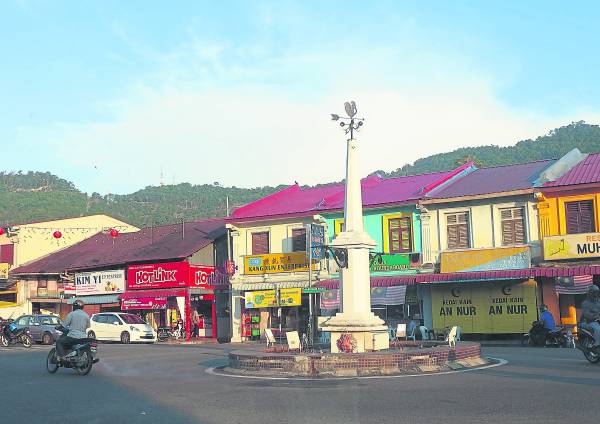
(49, 320)
(132, 319)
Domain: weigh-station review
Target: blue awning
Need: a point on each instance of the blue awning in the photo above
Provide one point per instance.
(97, 299)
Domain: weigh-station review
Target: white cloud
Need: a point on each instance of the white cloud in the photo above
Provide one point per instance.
(245, 116)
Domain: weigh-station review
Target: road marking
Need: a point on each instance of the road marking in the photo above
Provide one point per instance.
(500, 361)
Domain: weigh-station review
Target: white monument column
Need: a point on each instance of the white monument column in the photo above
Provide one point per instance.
(355, 328)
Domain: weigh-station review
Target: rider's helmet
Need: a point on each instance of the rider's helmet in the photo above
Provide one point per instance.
(78, 304)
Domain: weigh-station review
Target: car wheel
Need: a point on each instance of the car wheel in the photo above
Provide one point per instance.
(91, 335)
(47, 339)
(125, 337)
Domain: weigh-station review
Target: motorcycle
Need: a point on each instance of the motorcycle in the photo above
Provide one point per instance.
(12, 335)
(538, 336)
(585, 343)
(165, 333)
(81, 356)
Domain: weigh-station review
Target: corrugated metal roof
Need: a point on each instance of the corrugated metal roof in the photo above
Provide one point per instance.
(375, 191)
(149, 244)
(494, 180)
(585, 172)
(96, 299)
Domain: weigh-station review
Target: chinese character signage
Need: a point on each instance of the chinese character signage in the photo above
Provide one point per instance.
(102, 282)
(4, 271)
(276, 262)
(572, 246)
(268, 298)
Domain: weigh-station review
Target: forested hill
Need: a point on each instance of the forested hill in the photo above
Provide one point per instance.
(556, 143)
(34, 196)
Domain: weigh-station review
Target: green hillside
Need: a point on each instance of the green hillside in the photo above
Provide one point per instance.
(34, 196)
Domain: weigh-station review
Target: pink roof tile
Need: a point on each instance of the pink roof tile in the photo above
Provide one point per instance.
(585, 172)
(376, 191)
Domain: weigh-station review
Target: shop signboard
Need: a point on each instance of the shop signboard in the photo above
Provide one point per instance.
(487, 308)
(100, 282)
(158, 275)
(268, 298)
(393, 262)
(145, 303)
(260, 299)
(486, 259)
(572, 246)
(317, 239)
(290, 297)
(4, 271)
(201, 276)
(273, 263)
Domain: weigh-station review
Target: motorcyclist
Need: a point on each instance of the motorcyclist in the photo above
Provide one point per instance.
(591, 314)
(547, 319)
(77, 322)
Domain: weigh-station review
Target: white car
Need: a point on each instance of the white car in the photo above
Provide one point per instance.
(122, 327)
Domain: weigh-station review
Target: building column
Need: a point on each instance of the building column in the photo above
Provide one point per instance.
(236, 316)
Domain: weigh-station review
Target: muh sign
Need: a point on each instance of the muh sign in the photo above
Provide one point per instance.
(572, 246)
(101, 282)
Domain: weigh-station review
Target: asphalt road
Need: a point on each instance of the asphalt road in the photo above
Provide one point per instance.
(168, 384)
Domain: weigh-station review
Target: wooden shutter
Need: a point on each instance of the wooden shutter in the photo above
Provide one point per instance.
(400, 235)
(580, 217)
(298, 240)
(512, 226)
(260, 243)
(7, 253)
(458, 230)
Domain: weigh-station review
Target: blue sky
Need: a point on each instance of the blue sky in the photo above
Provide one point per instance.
(108, 94)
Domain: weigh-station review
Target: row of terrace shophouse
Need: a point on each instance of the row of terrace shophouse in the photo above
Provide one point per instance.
(479, 248)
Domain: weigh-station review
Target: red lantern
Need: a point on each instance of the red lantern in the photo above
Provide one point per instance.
(1, 231)
(57, 234)
(113, 232)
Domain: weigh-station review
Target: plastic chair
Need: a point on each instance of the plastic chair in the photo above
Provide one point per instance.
(453, 336)
(270, 337)
(424, 332)
(293, 340)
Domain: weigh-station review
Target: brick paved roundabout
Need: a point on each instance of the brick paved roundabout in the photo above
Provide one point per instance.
(404, 358)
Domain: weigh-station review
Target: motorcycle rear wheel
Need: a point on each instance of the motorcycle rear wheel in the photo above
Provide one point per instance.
(87, 365)
(4, 341)
(51, 362)
(592, 357)
(162, 336)
(26, 340)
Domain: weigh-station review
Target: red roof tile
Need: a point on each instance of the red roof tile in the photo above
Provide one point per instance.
(149, 244)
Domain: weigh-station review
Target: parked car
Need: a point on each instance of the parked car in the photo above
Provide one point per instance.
(41, 327)
(123, 327)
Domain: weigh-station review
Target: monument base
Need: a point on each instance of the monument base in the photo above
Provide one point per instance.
(359, 340)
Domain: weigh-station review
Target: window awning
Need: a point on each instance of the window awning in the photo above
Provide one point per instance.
(457, 277)
(153, 293)
(97, 299)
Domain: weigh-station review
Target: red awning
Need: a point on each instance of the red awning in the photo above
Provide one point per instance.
(454, 277)
(152, 293)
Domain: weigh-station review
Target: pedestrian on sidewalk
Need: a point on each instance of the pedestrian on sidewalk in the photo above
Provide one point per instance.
(195, 322)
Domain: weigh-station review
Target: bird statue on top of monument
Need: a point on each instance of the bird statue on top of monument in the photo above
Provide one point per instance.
(350, 108)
